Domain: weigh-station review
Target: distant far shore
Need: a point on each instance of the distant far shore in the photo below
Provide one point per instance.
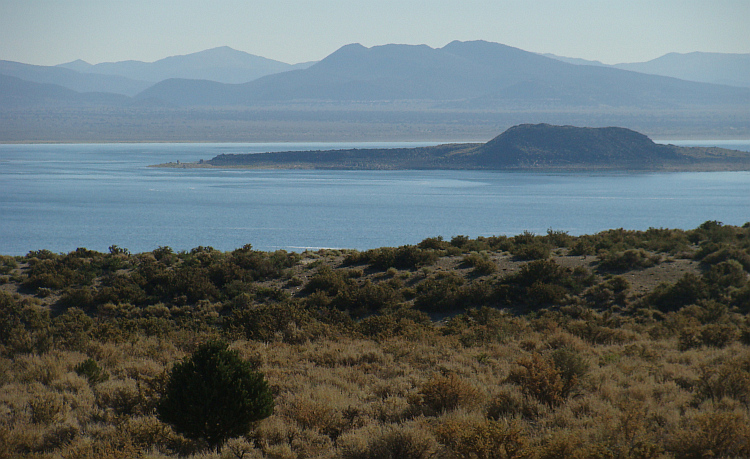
(659, 139)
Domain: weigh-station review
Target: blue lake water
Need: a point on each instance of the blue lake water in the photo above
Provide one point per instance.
(60, 197)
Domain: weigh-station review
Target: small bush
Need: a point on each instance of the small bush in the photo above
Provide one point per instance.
(627, 260)
(506, 404)
(532, 251)
(713, 435)
(686, 291)
(541, 379)
(571, 365)
(435, 243)
(582, 247)
(558, 238)
(91, 371)
(448, 392)
(730, 379)
(481, 263)
(713, 335)
(404, 257)
(483, 438)
(46, 408)
(402, 442)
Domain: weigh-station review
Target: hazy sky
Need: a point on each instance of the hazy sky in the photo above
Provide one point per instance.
(49, 32)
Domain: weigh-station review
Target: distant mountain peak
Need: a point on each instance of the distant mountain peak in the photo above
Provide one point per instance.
(78, 65)
(78, 62)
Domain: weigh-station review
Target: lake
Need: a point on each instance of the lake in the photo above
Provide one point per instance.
(61, 197)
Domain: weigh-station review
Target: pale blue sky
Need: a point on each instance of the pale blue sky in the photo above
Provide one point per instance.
(49, 32)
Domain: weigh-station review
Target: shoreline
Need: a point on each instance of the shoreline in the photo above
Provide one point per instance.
(539, 170)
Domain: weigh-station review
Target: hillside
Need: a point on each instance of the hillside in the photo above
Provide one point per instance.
(522, 147)
(628, 344)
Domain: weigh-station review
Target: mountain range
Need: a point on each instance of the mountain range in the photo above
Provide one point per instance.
(461, 75)
(465, 75)
(223, 65)
(467, 87)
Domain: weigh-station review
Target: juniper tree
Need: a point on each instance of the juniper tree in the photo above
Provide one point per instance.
(214, 396)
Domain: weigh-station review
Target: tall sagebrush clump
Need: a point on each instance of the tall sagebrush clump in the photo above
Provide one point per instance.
(214, 396)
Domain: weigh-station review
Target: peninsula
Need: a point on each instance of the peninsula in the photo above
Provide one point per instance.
(522, 147)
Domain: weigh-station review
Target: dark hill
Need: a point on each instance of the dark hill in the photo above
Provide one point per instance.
(522, 147)
(543, 145)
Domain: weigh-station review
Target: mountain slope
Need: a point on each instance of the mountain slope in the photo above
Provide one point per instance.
(18, 93)
(466, 75)
(522, 147)
(716, 68)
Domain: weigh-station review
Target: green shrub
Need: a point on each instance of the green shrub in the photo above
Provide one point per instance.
(558, 238)
(723, 276)
(460, 241)
(627, 260)
(541, 283)
(435, 243)
(72, 329)
(270, 322)
(91, 371)
(689, 289)
(214, 396)
(532, 251)
(611, 292)
(7, 264)
(712, 231)
(24, 328)
(714, 254)
(364, 298)
(481, 263)
(450, 292)
(582, 247)
(404, 257)
(571, 365)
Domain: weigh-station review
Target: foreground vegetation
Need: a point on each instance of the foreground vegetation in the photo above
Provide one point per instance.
(615, 345)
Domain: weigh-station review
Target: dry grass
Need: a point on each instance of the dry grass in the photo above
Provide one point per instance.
(358, 398)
